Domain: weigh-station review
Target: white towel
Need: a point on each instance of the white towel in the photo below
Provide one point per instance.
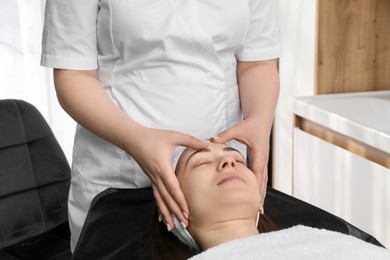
(184, 236)
(299, 242)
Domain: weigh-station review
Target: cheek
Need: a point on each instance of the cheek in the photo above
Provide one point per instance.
(197, 191)
(255, 184)
(255, 189)
(193, 187)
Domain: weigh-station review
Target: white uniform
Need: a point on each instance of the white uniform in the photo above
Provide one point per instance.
(168, 64)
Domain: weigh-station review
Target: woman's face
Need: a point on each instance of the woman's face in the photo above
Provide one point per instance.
(217, 184)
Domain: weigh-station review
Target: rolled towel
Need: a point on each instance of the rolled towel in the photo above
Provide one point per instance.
(184, 236)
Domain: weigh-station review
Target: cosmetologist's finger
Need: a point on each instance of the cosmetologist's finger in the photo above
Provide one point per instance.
(170, 190)
(225, 136)
(190, 141)
(163, 209)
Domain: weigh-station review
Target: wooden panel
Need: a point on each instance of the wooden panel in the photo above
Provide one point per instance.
(353, 46)
(354, 146)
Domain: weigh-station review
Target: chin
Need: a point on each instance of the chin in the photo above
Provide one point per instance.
(239, 200)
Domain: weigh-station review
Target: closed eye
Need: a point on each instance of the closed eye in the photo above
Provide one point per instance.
(202, 162)
(239, 158)
(241, 161)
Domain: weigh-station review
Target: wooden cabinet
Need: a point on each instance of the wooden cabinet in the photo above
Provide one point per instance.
(341, 157)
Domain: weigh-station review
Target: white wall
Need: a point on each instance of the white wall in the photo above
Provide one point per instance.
(297, 26)
(22, 77)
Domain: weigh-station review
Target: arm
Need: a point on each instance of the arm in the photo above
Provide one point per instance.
(259, 90)
(82, 97)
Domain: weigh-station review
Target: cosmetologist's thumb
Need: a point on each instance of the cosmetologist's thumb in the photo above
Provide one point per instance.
(192, 142)
(224, 136)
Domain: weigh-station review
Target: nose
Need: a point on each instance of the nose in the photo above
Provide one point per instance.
(226, 162)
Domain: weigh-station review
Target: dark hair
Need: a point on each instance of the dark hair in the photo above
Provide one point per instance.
(164, 245)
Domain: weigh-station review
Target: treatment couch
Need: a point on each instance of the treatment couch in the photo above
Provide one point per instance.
(117, 219)
(34, 185)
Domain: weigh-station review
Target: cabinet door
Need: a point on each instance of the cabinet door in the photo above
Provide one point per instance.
(343, 184)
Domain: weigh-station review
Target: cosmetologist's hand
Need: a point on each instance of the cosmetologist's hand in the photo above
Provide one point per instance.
(153, 152)
(247, 132)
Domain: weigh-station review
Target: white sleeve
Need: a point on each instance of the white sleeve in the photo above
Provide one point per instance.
(69, 34)
(262, 41)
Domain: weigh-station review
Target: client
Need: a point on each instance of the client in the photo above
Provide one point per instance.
(223, 196)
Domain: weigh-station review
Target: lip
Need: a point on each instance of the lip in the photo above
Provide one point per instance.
(230, 177)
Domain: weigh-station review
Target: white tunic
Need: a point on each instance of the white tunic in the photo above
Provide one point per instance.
(168, 64)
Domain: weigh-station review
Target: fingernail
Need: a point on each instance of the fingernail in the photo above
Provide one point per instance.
(169, 227)
(183, 224)
(215, 137)
(185, 214)
(205, 141)
(159, 218)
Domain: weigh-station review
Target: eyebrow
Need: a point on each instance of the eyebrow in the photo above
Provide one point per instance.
(227, 149)
(233, 150)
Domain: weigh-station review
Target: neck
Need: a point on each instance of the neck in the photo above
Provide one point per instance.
(222, 232)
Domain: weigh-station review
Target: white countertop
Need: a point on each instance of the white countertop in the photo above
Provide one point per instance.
(364, 116)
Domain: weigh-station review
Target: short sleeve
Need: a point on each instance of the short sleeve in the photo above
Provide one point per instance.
(69, 34)
(262, 41)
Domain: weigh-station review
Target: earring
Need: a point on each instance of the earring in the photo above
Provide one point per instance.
(257, 218)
